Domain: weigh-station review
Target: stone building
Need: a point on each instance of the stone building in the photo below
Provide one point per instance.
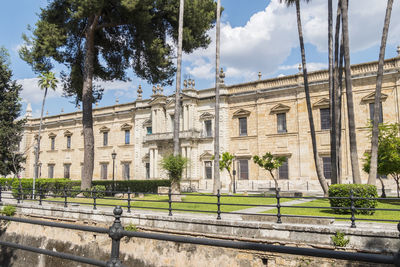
(255, 117)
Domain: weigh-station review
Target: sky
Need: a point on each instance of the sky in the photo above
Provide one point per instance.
(256, 36)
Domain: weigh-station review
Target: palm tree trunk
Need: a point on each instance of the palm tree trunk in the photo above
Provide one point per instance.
(87, 101)
(377, 108)
(36, 174)
(332, 97)
(320, 175)
(217, 182)
(349, 95)
(178, 79)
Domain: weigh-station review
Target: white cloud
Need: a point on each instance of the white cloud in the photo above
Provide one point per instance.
(31, 92)
(269, 37)
(312, 66)
(114, 85)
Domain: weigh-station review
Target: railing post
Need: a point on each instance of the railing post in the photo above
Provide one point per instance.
(94, 194)
(218, 205)
(0, 192)
(40, 195)
(19, 195)
(278, 206)
(170, 202)
(115, 232)
(65, 197)
(352, 208)
(129, 200)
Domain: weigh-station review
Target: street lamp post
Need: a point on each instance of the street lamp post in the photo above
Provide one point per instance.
(113, 155)
(234, 174)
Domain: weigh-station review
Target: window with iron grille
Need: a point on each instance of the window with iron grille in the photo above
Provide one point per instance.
(67, 169)
(283, 171)
(127, 137)
(243, 126)
(325, 119)
(147, 170)
(327, 167)
(208, 128)
(68, 142)
(281, 121)
(53, 143)
(50, 171)
(208, 169)
(243, 166)
(149, 130)
(105, 138)
(126, 171)
(104, 167)
(372, 112)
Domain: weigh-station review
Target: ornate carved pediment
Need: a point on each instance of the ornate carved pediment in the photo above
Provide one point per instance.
(241, 113)
(104, 129)
(170, 103)
(67, 133)
(158, 100)
(371, 97)
(52, 135)
(206, 155)
(126, 126)
(280, 108)
(146, 157)
(206, 116)
(147, 123)
(322, 103)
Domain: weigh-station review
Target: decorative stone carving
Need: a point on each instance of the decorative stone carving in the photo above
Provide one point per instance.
(221, 76)
(280, 108)
(371, 97)
(139, 92)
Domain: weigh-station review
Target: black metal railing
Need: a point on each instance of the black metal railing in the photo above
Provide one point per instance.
(116, 232)
(130, 200)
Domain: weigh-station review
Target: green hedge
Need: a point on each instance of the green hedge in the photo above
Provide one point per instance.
(7, 181)
(359, 190)
(56, 186)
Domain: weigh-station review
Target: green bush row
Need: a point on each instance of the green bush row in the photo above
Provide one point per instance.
(359, 191)
(55, 187)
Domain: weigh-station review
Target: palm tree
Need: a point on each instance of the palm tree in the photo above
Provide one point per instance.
(349, 95)
(377, 104)
(317, 161)
(217, 183)
(175, 187)
(46, 80)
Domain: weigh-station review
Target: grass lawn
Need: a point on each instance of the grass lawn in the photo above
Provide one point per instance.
(161, 202)
(327, 212)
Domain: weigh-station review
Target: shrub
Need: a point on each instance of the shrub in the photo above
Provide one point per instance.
(130, 227)
(8, 210)
(359, 191)
(141, 186)
(75, 190)
(100, 191)
(55, 187)
(7, 182)
(339, 240)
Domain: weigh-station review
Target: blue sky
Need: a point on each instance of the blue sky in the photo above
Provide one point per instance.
(256, 35)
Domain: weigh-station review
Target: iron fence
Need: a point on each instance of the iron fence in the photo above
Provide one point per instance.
(130, 200)
(116, 232)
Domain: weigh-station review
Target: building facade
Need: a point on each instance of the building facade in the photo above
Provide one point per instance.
(255, 117)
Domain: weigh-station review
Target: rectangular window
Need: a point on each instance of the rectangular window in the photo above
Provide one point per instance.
(281, 121)
(68, 142)
(208, 129)
(126, 171)
(127, 137)
(208, 169)
(147, 170)
(243, 169)
(325, 118)
(327, 167)
(149, 130)
(283, 171)
(67, 169)
(51, 171)
(105, 138)
(243, 126)
(371, 112)
(103, 173)
(53, 143)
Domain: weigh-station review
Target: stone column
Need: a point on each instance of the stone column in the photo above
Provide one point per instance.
(156, 163)
(154, 121)
(151, 163)
(185, 117)
(189, 166)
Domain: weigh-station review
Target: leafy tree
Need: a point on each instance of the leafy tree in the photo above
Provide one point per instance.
(225, 163)
(270, 163)
(317, 161)
(388, 153)
(377, 103)
(46, 80)
(102, 39)
(11, 128)
(174, 165)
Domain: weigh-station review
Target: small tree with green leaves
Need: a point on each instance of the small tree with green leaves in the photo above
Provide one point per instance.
(174, 165)
(270, 163)
(388, 153)
(225, 163)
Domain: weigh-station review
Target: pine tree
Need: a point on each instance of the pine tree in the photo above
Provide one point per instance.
(10, 127)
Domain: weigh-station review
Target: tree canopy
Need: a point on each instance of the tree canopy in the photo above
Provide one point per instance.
(137, 34)
(10, 127)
